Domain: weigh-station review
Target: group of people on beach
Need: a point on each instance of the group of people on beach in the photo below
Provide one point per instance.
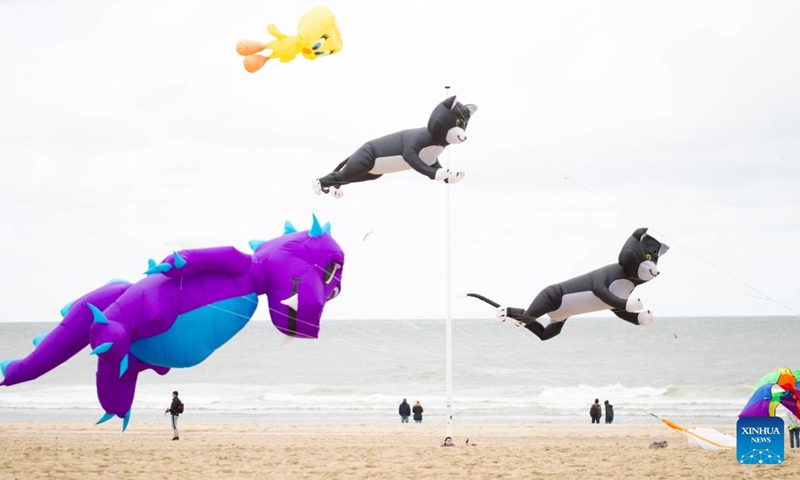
(596, 411)
(407, 410)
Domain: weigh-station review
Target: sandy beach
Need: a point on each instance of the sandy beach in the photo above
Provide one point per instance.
(225, 450)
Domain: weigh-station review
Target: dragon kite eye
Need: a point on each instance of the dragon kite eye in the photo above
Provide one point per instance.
(334, 293)
(330, 271)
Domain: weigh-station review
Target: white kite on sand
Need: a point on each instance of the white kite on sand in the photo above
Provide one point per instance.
(705, 438)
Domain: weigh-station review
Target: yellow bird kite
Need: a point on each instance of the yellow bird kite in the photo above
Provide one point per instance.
(317, 36)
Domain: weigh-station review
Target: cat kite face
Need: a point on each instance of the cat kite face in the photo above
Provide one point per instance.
(448, 121)
(639, 255)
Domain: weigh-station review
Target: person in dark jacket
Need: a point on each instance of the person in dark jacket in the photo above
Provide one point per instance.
(174, 410)
(596, 411)
(417, 412)
(404, 411)
(609, 412)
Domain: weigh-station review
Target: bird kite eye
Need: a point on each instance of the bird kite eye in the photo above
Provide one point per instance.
(319, 43)
(648, 256)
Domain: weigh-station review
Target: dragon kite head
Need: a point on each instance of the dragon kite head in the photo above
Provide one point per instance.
(300, 272)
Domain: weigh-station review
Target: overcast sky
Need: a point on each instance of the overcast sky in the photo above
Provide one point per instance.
(131, 129)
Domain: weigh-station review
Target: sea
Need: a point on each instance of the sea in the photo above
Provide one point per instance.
(694, 370)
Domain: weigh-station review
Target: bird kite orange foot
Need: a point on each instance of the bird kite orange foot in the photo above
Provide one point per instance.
(252, 63)
(249, 47)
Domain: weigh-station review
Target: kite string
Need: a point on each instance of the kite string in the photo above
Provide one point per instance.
(566, 177)
(483, 349)
(441, 337)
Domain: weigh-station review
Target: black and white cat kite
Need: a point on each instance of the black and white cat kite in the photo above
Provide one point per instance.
(608, 287)
(417, 148)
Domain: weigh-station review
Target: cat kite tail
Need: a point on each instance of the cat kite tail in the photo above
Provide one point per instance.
(606, 288)
(317, 36)
(417, 148)
(188, 305)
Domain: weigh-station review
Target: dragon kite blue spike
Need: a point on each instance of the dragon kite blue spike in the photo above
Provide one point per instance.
(288, 228)
(65, 309)
(4, 364)
(98, 316)
(254, 244)
(160, 268)
(102, 348)
(327, 228)
(39, 338)
(151, 267)
(125, 420)
(316, 228)
(123, 365)
(106, 417)
(178, 260)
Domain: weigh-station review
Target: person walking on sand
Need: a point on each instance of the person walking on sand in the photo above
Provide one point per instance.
(404, 411)
(417, 412)
(175, 409)
(609, 412)
(793, 427)
(595, 411)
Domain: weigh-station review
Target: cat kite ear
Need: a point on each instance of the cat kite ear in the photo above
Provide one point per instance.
(472, 108)
(450, 102)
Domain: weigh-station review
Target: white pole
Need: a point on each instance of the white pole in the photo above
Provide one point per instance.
(448, 319)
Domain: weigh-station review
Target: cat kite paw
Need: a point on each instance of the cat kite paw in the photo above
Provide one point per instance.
(454, 177)
(504, 313)
(645, 318)
(634, 305)
(317, 187)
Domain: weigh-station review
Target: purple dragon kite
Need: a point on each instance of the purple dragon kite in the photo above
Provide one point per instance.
(188, 306)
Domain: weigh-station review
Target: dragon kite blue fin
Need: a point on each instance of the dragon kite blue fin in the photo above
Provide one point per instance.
(106, 417)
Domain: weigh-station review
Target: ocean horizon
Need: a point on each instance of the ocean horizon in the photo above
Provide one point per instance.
(696, 370)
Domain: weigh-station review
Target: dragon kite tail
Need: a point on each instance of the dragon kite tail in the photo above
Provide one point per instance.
(68, 338)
